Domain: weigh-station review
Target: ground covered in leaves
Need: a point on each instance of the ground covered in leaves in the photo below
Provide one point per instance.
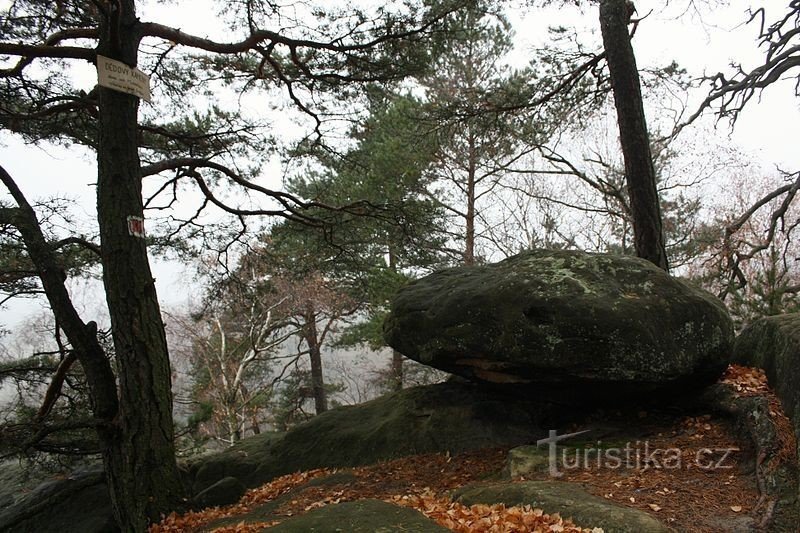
(702, 469)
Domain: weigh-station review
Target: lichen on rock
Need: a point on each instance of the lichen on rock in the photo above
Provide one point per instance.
(556, 317)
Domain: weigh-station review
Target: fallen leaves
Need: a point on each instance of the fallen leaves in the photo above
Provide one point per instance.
(175, 523)
(672, 494)
(679, 497)
(486, 518)
(746, 381)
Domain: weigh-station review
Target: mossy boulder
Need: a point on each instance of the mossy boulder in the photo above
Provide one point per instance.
(527, 461)
(362, 516)
(226, 491)
(556, 318)
(76, 503)
(446, 417)
(773, 343)
(567, 499)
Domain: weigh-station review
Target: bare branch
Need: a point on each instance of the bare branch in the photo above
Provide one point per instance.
(50, 42)
(78, 241)
(82, 336)
(54, 390)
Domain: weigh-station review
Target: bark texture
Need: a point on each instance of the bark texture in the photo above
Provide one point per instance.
(639, 170)
(315, 358)
(142, 471)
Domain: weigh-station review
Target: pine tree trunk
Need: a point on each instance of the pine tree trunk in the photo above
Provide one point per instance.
(639, 169)
(315, 358)
(142, 472)
(469, 247)
(397, 371)
(396, 376)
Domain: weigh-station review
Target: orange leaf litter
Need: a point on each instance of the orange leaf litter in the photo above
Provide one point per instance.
(421, 482)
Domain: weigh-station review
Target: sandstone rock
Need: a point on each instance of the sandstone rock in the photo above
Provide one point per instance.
(452, 417)
(78, 503)
(549, 318)
(527, 461)
(753, 421)
(773, 343)
(567, 499)
(226, 491)
(362, 516)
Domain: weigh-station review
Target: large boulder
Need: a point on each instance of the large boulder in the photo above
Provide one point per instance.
(550, 318)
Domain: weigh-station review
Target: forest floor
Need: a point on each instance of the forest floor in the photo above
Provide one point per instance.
(682, 498)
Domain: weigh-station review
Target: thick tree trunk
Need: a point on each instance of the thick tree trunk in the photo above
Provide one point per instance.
(142, 472)
(315, 358)
(639, 170)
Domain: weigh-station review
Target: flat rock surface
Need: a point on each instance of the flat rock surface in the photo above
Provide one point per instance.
(567, 499)
(77, 503)
(362, 516)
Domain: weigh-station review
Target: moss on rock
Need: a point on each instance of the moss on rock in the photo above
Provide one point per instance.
(567, 499)
(554, 317)
(362, 516)
(773, 343)
(451, 416)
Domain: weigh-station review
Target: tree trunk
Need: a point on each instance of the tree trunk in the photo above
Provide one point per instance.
(256, 427)
(315, 357)
(396, 376)
(639, 169)
(82, 336)
(397, 371)
(142, 472)
(469, 246)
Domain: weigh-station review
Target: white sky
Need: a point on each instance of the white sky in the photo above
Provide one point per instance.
(769, 129)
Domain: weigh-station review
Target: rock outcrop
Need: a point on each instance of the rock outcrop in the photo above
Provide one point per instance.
(452, 417)
(773, 343)
(564, 319)
(77, 503)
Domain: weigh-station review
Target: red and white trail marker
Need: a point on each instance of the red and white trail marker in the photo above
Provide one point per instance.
(136, 226)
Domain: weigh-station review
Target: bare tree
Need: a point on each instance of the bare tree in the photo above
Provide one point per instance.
(233, 357)
(314, 306)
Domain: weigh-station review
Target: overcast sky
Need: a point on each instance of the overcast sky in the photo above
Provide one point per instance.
(768, 129)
